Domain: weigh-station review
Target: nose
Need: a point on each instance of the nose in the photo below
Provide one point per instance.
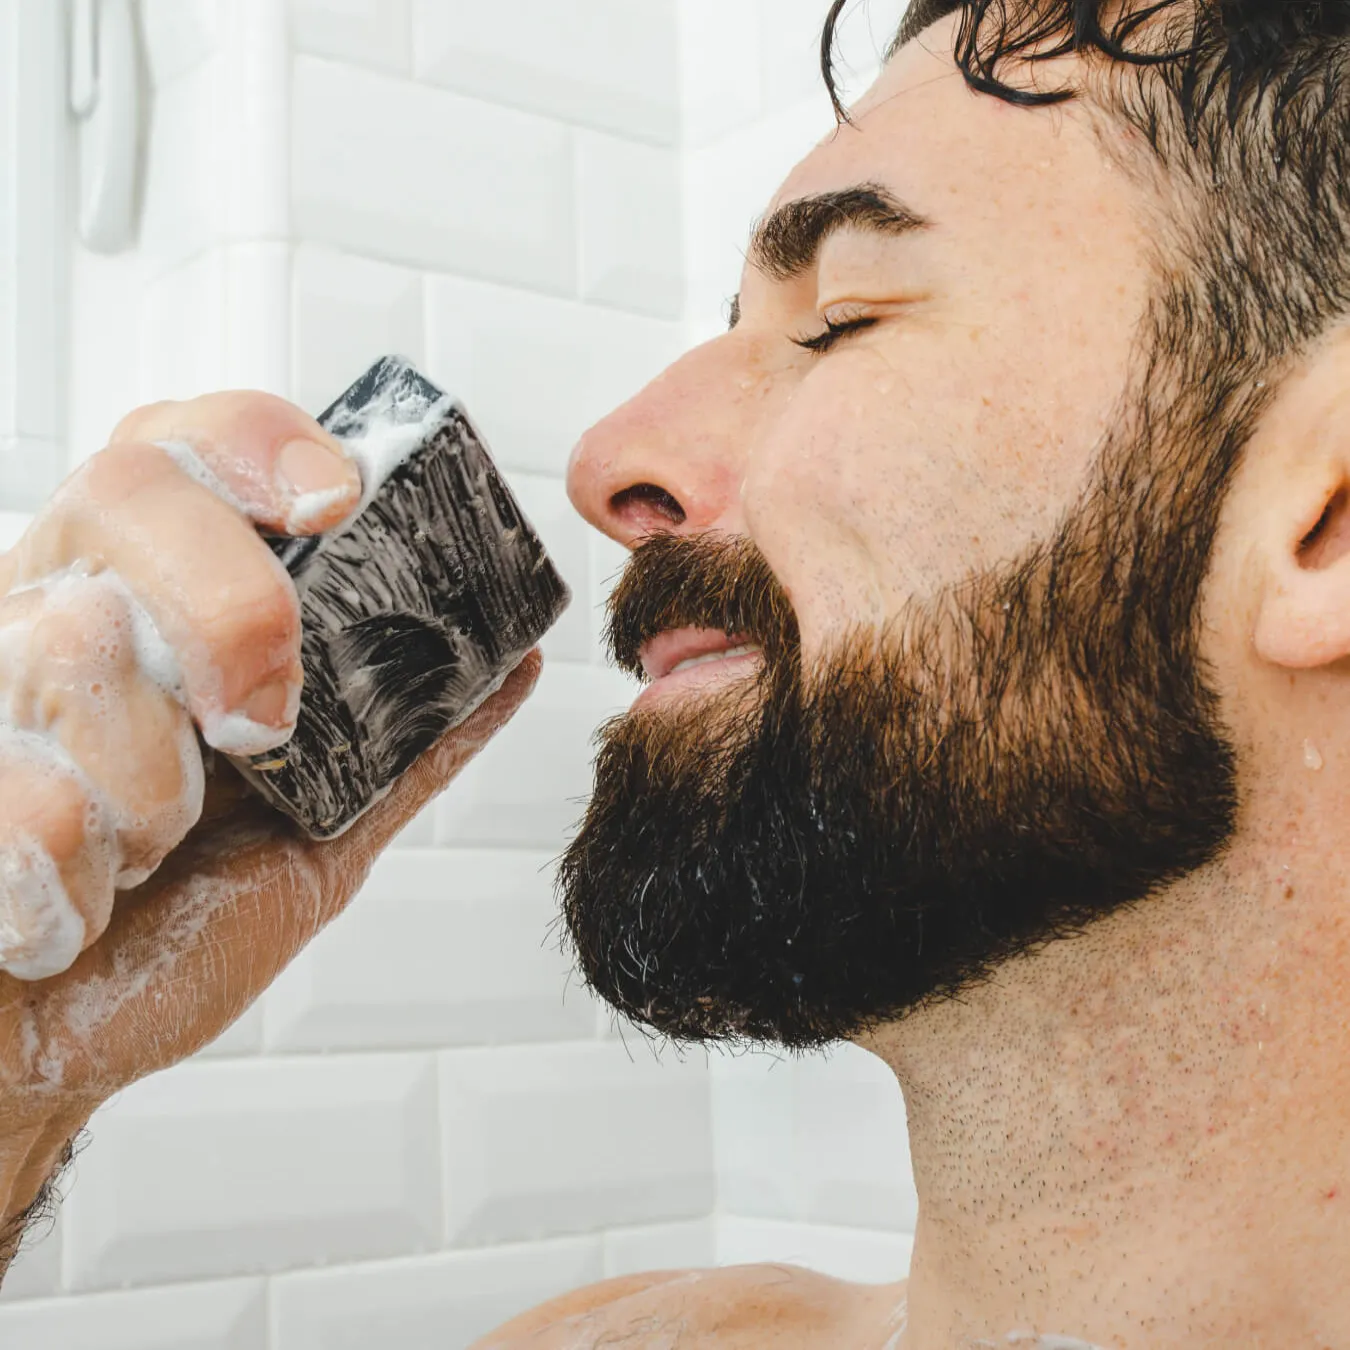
(669, 461)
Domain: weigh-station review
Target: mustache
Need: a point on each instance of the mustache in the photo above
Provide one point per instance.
(699, 581)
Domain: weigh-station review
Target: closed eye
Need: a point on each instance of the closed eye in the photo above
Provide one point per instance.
(822, 342)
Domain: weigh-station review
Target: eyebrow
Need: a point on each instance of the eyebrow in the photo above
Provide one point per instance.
(786, 243)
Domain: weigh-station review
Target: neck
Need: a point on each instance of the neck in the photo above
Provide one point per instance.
(1140, 1137)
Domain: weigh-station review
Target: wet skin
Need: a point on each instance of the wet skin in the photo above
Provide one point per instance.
(1083, 1127)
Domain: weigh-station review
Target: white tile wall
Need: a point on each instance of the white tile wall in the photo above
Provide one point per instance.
(669, 1246)
(817, 1139)
(244, 1166)
(217, 320)
(36, 1273)
(543, 1141)
(631, 225)
(567, 538)
(604, 63)
(34, 264)
(346, 311)
(225, 1315)
(443, 1302)
(530, 790)
(371, 33)
(416, 175)
(178, 35)
(442, 947)
(426, 1127)
(535, 371)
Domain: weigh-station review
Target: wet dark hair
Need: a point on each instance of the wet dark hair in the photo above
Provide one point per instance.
(1246, 106)
(1240, 48)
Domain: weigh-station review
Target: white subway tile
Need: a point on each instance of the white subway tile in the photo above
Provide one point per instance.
(630, 201)
(789, 60)
(410, 174)
(181, 211)
(728, 186)
(566, 536)
(852, 1143)
(604, 63)
(243, 1167)
(220, 321)
(31, 467)
(719, 68)
(36, 1271)
(608, 561)
(846, 1253)
(536, 372)
(441, 947)
(348, 311)
(670, 1246)
(753, 1130)
(230, 1315)
(864, 35)
(818, 1139)
(789, 55)
(366, 32)
(543, 1141)
(241, 1039)
(178, 35)
(443, 1302)
(529, 786)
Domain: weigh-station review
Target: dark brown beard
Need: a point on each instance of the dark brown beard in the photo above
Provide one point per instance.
(810, 853)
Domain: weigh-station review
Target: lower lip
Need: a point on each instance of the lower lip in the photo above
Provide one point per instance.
(701, 676)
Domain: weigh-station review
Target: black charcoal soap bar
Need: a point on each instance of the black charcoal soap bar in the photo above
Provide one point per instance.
(414, 612)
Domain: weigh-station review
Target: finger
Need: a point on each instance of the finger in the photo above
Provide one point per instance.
(265, 456)
(58, 859)
(187, 953)
(77, 679)
(214, 592)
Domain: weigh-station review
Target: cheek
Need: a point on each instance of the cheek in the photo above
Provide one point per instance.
(889, 476)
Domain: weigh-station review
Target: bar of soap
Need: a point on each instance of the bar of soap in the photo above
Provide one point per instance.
(414, 612)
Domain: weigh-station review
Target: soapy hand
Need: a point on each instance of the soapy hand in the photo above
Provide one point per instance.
(144, 903)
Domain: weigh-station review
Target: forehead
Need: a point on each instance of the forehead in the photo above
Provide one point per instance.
(976, 165)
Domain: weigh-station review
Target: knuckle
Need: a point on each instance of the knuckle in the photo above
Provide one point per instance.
(130, 428)
(260, 611)
(115, 473)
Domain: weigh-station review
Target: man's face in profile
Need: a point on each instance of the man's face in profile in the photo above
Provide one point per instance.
(944, 480)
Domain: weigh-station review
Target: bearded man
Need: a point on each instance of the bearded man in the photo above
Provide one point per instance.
(992, 580)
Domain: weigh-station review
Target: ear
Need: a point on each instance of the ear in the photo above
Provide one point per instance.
(1303, 539)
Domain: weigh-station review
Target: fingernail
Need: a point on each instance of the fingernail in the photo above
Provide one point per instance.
(270, 706)
(266, 721)
(306, 466)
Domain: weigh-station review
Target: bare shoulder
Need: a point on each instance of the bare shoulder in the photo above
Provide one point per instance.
(734, 1308)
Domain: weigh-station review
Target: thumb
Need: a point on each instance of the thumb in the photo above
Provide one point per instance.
(360, 845)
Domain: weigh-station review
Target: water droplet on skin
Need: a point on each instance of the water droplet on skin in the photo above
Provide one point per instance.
(1312, 756)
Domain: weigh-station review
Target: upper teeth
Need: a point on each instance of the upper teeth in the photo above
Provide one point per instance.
(715, 656)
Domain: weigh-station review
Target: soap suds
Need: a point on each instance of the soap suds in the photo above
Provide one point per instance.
(41, 931)
(235, 734)
(381, 434)
(311, 506)
(191, 463)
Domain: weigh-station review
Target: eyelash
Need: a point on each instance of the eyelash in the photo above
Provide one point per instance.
(822, 342)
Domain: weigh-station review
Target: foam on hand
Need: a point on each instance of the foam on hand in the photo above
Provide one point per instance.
(41, 931)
